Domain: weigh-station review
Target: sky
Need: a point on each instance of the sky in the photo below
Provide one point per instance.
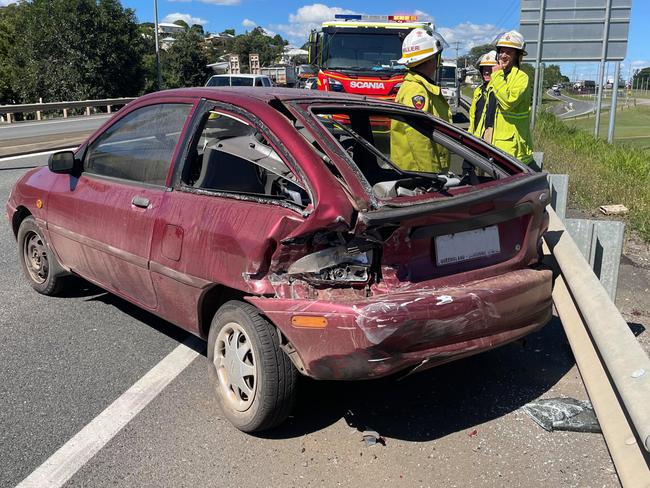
(470, 22)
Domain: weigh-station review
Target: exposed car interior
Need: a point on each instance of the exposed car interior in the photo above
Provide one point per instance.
(232, 156)
(365, 137)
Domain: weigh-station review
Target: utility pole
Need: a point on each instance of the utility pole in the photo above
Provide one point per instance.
(603, 57)
(457, 49)
(155, 29)
(538, 61)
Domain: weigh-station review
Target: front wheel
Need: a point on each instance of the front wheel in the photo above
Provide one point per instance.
(38, 262)
(253, 378)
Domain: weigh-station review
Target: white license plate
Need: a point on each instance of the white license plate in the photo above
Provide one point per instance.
(464, 246)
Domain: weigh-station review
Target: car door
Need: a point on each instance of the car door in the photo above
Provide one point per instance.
(235, 201)
(101, 222)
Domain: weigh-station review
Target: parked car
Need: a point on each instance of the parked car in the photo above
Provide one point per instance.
(274, 224)
(311, 83)
(239, 80)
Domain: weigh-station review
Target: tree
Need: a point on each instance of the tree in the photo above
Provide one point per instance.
(184, 64)
(76, 50)
(182, 23)
(641, 77)
(553, 76)
(472, 57)
(8, 69)
(198, 28)
(257, 41)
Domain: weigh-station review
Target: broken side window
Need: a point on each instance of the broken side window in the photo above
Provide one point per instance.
(232, 156)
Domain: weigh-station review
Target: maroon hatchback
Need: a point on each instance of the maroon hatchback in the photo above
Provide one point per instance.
(274, 224)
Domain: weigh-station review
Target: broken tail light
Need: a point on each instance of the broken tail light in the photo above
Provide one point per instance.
(339, 264)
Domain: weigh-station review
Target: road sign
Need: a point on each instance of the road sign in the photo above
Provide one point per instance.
(574, 30)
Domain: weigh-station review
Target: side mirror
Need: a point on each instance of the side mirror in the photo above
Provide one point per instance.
(62, 162)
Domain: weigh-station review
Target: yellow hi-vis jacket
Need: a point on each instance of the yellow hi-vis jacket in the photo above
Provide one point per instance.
(409, 148)
(512, 119)
(476, 125)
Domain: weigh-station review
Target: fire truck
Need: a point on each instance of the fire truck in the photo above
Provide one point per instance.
(359, 53)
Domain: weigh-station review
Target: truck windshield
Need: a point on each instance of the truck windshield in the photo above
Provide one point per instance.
(363, 51)
(447, 76)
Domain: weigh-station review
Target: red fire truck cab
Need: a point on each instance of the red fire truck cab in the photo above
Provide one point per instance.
(359, 53)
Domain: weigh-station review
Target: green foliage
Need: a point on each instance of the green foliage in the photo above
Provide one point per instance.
(258, 42)
(471, 58)
(74, 50)
(600, 173)
(8, 70)
(641, 76)
(184, 64)
(553, 76)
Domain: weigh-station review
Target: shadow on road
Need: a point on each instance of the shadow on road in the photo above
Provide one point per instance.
(421, 407)
(440, 401)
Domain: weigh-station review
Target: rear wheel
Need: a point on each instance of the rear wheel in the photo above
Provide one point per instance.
(254, 380)
(39, 264)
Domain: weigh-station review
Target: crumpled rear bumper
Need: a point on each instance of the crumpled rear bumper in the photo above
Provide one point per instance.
(419, 328)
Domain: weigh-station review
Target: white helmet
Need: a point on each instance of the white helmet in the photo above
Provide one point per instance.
(420, 45)
(488, 59)
(511, 39)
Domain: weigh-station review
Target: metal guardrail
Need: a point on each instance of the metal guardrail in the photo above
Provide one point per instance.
(38, 108)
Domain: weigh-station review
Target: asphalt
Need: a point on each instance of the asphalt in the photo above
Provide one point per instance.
(32, 136)
(572, 107)
(66, 359)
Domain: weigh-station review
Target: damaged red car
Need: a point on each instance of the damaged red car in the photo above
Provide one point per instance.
(274, 224)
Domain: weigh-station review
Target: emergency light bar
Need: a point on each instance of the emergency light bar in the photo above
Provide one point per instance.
(377, 18)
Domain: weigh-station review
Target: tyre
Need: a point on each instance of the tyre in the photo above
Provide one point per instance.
(253, 378)
(39, 264)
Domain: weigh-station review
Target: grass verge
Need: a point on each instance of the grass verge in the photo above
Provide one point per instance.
(600, 173)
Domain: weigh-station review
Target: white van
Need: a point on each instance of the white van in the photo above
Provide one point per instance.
(239, 80)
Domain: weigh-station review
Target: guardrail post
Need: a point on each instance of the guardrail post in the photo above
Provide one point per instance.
(38, 112)
(559, 185)
(65, 113)
(109, 108)
(9, 117)
(87, 111)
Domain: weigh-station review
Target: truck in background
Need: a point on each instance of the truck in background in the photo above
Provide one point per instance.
(449, 81)
(359, 53)
(281, 75)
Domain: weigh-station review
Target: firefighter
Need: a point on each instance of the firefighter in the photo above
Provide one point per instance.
(481, 114)
(513, 93)
(410, 149)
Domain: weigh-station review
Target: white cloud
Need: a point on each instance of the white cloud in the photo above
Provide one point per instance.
(248, 23)
(187, 18)
(227, 3)
(4, 3)
(423, 16)
(639, 64)
(470, 34)
(306, 18)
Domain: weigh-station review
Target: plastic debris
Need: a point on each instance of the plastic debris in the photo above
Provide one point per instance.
(613, 209)
(563, 414)
(473, 433)
(371, 438)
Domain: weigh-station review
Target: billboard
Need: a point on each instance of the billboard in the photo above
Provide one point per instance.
(573, 30)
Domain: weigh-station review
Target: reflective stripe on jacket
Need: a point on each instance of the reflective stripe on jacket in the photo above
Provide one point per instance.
(410, 149)
(479, 93)
(512, 121)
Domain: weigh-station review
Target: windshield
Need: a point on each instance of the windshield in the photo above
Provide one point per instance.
(219, 81)
(447, 76)
(363, 51)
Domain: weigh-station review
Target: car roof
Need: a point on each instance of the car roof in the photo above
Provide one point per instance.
(249, 94)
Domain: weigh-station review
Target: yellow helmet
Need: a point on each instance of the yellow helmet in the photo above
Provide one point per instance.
(420, 45)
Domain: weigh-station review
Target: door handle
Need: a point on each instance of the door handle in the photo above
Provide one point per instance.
(141, 202)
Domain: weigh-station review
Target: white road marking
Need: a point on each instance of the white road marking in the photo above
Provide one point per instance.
(75, 453)
(44, 153)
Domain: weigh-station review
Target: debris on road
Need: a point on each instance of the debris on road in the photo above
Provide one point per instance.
(371, 438)
(563, 414)
(613, 209)
(473, 433)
